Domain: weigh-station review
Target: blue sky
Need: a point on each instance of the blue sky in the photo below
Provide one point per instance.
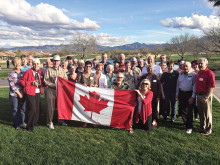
(114, 22)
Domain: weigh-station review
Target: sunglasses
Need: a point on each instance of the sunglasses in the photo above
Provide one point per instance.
(144, 83)
(119, 77)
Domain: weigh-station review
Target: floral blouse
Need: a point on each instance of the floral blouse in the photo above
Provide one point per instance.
(13, 78)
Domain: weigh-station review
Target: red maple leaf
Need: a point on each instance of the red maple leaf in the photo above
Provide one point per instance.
(93, 103)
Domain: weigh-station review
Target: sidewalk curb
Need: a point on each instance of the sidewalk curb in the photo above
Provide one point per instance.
(216, 97)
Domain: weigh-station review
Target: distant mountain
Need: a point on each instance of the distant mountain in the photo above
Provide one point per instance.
(55, 48)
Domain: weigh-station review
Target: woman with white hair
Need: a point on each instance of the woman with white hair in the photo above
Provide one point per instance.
(72, 76)
(32, 87)
(110, 76)
(80, 68)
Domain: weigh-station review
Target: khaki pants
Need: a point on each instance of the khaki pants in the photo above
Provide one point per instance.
(205, 113)
(51, 100)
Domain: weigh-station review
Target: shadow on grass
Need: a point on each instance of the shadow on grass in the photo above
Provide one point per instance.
(5, 111)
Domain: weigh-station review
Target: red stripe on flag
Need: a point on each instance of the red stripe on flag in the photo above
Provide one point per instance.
(123, 109)
(65, 97)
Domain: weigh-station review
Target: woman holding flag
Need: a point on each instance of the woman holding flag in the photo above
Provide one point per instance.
(143, 111)
(88, 79)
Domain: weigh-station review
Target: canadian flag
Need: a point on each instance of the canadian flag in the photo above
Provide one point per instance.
(109, 107)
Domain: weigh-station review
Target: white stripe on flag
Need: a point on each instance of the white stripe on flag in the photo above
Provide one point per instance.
(104, 118)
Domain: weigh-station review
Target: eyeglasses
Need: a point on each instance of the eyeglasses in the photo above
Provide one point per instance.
(119, 77)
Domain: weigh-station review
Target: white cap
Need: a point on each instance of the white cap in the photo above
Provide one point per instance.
(56, 58)
(36, 60)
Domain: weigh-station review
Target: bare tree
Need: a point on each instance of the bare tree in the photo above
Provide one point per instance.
(84, 43)
(156, 50)
(180, 44)
(194, 48)
(211, 40)
(65, 50)
(168, 51)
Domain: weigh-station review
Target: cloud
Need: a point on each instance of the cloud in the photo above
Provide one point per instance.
(41, 16)
(196, 21)
(105, 39)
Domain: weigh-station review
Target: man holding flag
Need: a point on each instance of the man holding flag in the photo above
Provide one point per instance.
(50, 79)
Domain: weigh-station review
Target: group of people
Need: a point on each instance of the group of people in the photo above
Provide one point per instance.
(158, 88)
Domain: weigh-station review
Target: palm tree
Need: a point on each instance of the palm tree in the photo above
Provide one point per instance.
(216, 2)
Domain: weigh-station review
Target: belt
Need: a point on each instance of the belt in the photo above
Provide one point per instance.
(185, 91)
(202, 93)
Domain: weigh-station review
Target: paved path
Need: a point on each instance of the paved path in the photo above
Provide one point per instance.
(217, 90)
(4, 83)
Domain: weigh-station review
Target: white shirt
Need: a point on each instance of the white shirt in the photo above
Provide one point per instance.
(37, 90)
(157, 70)
(140, 103)
(186, 82)
(103, 81)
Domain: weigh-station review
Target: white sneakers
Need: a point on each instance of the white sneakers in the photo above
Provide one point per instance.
(50, 126)
(189, 131)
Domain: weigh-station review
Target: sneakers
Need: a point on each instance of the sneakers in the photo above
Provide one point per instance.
(24, 125)
(131, 131)
(50, 126)
(62, 124)
(17, 128)
(206, 133)
(189, 131)
(154, 123)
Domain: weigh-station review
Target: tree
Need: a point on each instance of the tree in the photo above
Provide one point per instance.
(83, 43)
(18, 52)
(168, 51)
(180, 44)
(194, 48)
(215, 2)
(211, 40)
(65, 50)
(156, 50)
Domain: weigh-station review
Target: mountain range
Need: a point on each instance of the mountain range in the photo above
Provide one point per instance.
(55, 48)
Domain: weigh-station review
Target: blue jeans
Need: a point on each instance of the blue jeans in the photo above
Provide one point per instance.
(18, 110)
(170, 101)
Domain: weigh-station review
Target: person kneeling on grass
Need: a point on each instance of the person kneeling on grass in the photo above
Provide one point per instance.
(143, 110)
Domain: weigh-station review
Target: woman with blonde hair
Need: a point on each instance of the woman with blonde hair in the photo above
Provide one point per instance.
(24, 67)
(143, 110)
(16, 95)
(101, 78)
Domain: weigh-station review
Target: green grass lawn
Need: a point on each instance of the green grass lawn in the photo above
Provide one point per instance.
(217, 77)
(167, 144)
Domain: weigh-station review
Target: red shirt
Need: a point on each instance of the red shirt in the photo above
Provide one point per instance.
(204, 81)
(146, 109)
(26, 80)
(122, 66)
